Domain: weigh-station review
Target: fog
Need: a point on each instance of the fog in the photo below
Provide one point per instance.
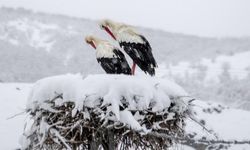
(211, 18)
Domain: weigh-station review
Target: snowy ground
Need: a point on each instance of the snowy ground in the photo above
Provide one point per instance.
(13, 97)
(238, 65)
(227, 123)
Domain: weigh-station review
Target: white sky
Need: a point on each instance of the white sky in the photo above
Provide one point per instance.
(198, 17)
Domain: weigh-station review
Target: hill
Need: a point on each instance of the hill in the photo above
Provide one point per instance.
(35, 45)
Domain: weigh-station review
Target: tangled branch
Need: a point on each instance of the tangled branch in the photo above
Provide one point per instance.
(56, 127)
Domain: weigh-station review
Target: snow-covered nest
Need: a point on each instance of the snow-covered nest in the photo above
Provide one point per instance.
(104, 110)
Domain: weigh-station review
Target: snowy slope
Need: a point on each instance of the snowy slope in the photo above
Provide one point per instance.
(35, 31)
(238, 66)
(224, 78)
(227, 123)
(54, 44)
(13, 97)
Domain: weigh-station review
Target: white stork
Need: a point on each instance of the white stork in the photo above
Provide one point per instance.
(109, 57)
(133, 43)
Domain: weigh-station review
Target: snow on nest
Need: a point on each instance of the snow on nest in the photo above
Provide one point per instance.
(140, 92)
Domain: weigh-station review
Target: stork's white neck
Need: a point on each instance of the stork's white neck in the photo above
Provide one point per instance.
(127, 34)
(104, 49)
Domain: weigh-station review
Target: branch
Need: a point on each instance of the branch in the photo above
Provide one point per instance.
(61, 138)
(16, 115)
(186, 139)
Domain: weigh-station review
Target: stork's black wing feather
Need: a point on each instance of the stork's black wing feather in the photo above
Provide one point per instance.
(122, 61)
(141, 53)
(115, 65)
(149, 51)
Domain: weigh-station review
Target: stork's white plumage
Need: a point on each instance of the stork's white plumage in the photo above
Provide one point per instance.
(108, 56)
(133, 43)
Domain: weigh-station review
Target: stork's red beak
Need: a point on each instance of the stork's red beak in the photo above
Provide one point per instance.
(92, 44)
(109, 32)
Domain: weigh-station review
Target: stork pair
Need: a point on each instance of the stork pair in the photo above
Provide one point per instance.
(135, 45)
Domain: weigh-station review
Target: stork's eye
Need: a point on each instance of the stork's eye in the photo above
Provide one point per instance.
(88, 41)
(102, 26)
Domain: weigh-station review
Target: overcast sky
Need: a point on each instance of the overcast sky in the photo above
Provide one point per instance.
(216, 18)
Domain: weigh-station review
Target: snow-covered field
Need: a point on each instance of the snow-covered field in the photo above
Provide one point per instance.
(224, 78)
(237, 65)
(227, 123)
(13, 97)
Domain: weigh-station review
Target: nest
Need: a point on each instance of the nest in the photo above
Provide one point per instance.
(55, 127)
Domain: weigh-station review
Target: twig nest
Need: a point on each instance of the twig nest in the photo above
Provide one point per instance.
(70, 112)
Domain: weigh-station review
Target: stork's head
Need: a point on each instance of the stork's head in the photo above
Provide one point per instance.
(110, 27)
(90, 40)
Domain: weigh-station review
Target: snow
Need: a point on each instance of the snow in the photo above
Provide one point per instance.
(12, 99)
(140, 92)
(226, 124)
(46, 89)
(127, 118)
(4, 37)
(40, 40)
(181, 147)
(35, 31)
(20, 24)
(24, 25)
(14, 41)
(238, 64)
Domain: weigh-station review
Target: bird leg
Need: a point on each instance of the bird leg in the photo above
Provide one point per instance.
(133, 68)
